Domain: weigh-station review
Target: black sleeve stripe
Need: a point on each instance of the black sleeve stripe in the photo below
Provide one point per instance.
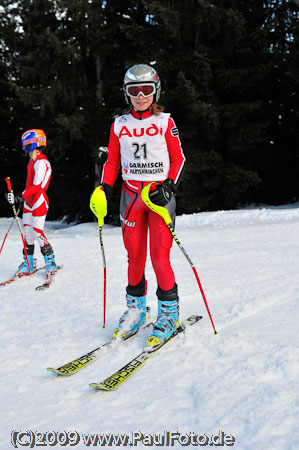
(174, 132)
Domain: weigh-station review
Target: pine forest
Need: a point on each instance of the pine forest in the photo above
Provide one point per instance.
(230, 79)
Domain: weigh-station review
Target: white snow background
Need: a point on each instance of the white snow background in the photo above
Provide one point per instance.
(245, 381)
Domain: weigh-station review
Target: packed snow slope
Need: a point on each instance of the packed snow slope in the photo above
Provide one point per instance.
(243, 382)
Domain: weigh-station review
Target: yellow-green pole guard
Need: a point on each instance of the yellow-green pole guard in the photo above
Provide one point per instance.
(156, 208)
(98, 205)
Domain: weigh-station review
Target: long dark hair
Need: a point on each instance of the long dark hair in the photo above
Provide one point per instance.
(157, 109)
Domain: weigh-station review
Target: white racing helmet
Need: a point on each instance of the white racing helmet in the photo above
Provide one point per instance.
(141, 79)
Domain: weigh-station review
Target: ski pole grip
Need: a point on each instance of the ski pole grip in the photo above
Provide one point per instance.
(98, 204)
(161, 210)
(8, 184)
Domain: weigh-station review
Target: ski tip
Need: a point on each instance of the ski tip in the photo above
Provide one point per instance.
(216, 334)
(41, 288)
(57, 371)
(103, 387)
(51, 369)
(100, 387)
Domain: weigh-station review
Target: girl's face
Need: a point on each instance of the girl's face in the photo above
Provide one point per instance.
(141, 103)
(33, 154)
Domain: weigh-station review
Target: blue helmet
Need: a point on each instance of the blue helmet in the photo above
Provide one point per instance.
(32, 139)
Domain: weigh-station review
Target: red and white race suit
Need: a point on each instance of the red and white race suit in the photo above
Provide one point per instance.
(148, 148)
(36, 202)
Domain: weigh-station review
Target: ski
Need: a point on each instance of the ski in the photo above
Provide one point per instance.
(77, 364)
(48, 281)
(16, 277)
(120, 376)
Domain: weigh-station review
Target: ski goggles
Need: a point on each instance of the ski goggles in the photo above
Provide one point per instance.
(146, 90)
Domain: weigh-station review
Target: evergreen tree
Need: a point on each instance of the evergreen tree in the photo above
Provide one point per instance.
(278, 164)
(12, 162)
(54, 81)
(213, 76)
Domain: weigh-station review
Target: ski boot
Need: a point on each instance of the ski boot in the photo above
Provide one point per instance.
(23, 268)
(133, 318)
(166, 324)
(49, 258)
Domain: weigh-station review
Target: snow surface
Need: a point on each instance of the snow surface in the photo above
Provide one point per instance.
(245, 381)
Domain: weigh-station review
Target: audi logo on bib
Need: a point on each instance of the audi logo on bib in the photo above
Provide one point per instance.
(153, 130)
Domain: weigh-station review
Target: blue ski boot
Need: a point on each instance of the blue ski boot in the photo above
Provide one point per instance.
(23, 268)
(133, 318)
(49, 258)
(166, 324)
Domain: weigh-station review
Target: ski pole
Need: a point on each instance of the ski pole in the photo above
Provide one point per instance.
(13, 221)
(98, 205)
(167, 219)
(18, 222)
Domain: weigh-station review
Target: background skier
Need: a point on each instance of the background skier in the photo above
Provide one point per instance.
(36, 202)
